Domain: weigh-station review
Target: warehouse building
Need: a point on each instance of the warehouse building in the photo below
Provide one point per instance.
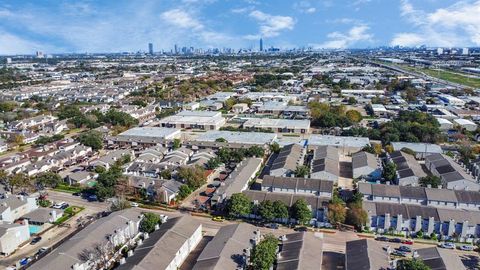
(203, 120)
(278, 125)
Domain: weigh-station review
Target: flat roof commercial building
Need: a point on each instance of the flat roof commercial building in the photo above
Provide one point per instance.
(278, 125)
(233, 139)
(203, 120)
(347, 145)
(144, 136)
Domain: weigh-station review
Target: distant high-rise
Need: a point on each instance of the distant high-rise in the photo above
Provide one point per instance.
(261, 44)
(39, 54)
(150, 48)
(176, 49)
(439, 51)
(465, 51)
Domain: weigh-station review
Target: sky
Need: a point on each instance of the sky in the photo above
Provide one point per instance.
(62, 26)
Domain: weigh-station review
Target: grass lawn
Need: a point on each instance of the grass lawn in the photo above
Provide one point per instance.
(68, 213)
(67, 188)
(452, 77)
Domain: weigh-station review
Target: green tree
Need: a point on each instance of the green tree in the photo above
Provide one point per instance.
(353, 116)
(432, 180)
(92, 138)
(264, 254)
(414, 264)
(357, 217)
(148, 222)
(213, 163)
(275, 147)
(239, 205)
(336, 213)
(301, 212)
(280, 209)
(18, 180)
(301, 171)
(48, 179)
(352, 101)
(194, 177)
(176, 143)
(266, 210)
(389, 171)
(183, 192)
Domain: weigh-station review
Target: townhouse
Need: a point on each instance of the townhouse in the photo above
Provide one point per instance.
(12, 235)
(288, 159)
(366, 165)
(294, 185)
(13, 207)
(346, 145)
(453, 176)
(167, 247)
(408, 170)
(111, 158)
(325, 163)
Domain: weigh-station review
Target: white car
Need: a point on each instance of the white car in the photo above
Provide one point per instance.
(466, 247)
(58, 205)
(134, 204)
(447, 245)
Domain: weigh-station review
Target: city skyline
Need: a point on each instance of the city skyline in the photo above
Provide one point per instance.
(117, 26)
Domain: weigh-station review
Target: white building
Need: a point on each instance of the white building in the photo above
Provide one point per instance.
(444, 124)
(204, 120)
(278, 125)
(465, 123)
(12, 235)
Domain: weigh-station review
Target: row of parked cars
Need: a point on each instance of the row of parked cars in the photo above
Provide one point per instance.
(447, 245)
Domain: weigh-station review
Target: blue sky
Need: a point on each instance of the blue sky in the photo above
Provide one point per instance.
(57, 26)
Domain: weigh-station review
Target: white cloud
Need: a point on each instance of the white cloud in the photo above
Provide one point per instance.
(272, 25)
(304, 7)
(337, 40)
(12, 44)
(456, 25)
(182, 19)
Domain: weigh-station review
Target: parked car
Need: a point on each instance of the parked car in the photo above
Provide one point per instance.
(399, 253)
(404, 249)
(382, 238)
(64, 206)
(301, 229)
(395, 240)
(36, 240)
(272, 226)
(77, 194)
(466, 247)
(134, 204)
(92, 198)
(447, 245)
(58, 205)
(218, 219)
(24, 261)
(407, 242)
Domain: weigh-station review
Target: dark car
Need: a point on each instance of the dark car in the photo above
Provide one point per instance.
(382, 238)
(404, 249)
(395, 240)
(64, 206)
(36, 240)
(272, 226)
(301, 229)
(77, 194)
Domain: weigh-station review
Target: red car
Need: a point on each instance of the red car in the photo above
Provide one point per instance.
(407, 242)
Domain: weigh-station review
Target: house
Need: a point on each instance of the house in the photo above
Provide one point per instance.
(325, 163)
(107, 233)
(3, 145)
(294, 185)
(13, 207)
(12, 235)
(453, 176)
(409, 171)
(167, 247)
(111, 157)
(300, 251)
(238, 180)
(192, 106)
(439, 259)
(80, 177)
(366, 165)
(365, 254)
(240, 108)
(40, 216)
(153, 154)
(288, 159)
(227, 248)
(465, 124)
(445, 124)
